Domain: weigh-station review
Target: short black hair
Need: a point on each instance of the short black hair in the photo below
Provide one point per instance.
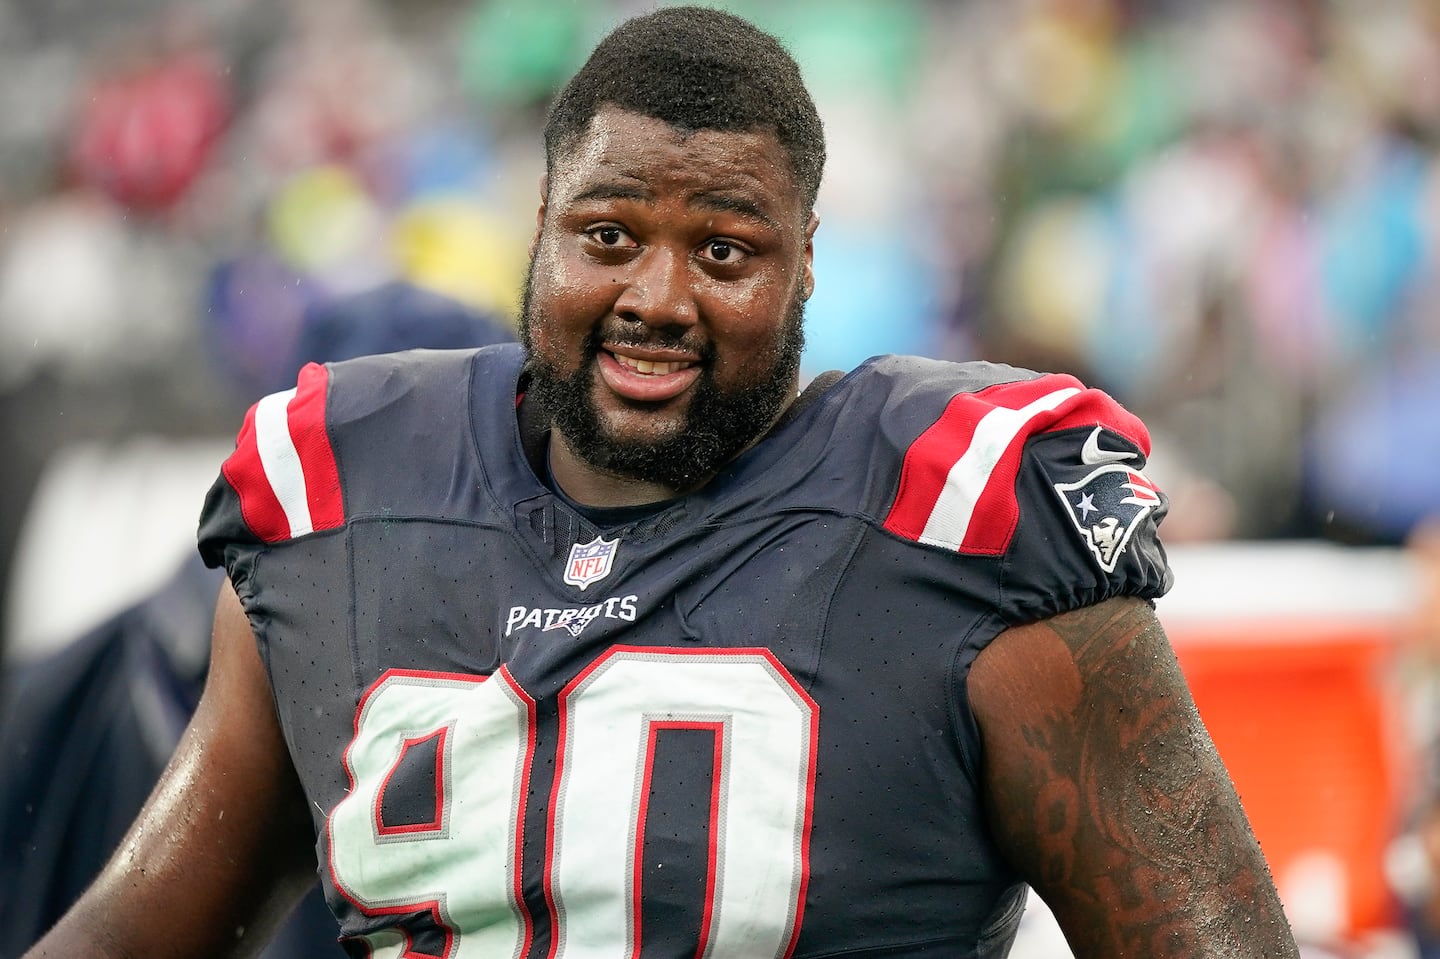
(695, 68)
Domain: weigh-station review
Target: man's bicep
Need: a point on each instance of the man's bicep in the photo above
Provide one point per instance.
(1105, 791)
(223, 848)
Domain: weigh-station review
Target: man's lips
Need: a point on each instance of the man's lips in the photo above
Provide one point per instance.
(659, 367)
(652, 378)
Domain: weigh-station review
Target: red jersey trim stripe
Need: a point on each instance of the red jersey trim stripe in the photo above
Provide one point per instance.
(283, 469)
(957, 483)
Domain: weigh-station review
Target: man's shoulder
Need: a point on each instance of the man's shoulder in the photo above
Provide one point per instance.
(974, 457)
(903, 371)
(900, 423)
(891, 400)
(413, 369)
(917, 387)
(432, 388)
(354, 437)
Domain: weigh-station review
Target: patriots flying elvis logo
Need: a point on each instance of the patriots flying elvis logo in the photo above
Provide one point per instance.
(1106, 507)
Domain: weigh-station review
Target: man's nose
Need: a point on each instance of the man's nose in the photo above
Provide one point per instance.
(657, 291)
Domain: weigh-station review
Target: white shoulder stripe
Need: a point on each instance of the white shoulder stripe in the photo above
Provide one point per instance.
(950, 519)
(281, 461)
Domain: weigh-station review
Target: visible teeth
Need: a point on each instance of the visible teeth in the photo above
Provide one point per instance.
(658, 368)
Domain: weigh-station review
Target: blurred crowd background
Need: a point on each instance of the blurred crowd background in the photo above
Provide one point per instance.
(1225, 213)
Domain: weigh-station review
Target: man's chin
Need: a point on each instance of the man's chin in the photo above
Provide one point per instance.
(645, 451)
(635, 423)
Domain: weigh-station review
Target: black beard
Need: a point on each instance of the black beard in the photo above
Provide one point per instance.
(718, 424)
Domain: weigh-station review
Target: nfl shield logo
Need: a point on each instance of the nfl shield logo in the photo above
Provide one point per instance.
(590, 561)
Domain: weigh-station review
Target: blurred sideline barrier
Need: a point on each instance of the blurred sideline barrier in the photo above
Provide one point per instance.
(109, 524)
(1291, 650)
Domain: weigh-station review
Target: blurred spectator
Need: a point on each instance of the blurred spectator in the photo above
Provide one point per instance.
(395, 316)
(1374, 451)
(147, 125)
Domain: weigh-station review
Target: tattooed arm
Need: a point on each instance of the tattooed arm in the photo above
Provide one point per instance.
(1107, 794)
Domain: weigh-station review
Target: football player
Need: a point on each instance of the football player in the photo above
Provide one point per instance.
(617, 644)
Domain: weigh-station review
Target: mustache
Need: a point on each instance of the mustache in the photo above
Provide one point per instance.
(637, 335)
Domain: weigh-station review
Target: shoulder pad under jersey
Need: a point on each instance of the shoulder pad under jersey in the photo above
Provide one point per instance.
(1035, 468)
(388, 422)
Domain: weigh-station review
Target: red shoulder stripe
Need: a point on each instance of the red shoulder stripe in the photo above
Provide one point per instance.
(246, 475)
(957, 482)
(283, 469)
(312, 444)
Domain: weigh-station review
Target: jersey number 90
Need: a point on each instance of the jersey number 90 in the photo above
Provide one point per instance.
(463, 867)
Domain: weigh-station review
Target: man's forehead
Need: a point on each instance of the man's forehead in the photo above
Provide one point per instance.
(611, 116)
(624, 155)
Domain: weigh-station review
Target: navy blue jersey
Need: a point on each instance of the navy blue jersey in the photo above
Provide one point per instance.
(736, 726)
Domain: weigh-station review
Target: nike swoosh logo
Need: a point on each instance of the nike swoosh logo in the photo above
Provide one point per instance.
(1092, 455)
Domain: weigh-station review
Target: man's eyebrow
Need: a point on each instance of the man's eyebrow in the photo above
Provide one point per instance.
(730, 203)
(614, 191)
(718, 201)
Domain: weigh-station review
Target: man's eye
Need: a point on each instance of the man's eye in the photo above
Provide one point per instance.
(722, 251)
(610, 236)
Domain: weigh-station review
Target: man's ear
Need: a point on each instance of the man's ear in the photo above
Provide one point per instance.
(540, 213)
(807, 282)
